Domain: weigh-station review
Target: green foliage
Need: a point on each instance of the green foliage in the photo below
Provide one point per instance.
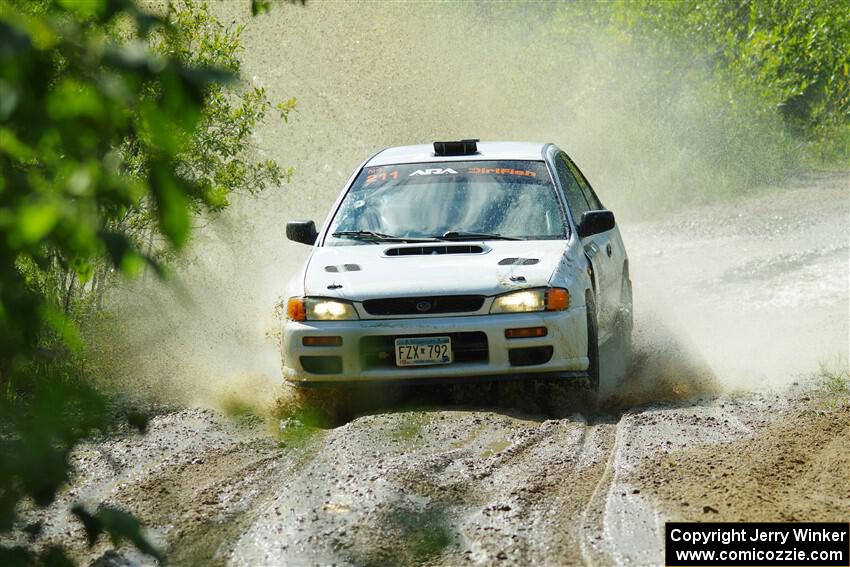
(792, 57)
(218, 158)
(263, 6)
(688, 101)
(72, 98)
(118, 524)
(116, 128)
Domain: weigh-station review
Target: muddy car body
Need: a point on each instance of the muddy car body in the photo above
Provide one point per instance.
(458, 261)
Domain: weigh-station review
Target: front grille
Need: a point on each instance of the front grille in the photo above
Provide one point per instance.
(379, 351)
(424, 305)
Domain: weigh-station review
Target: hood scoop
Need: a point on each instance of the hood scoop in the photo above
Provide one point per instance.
(518, 261)
(436, 250)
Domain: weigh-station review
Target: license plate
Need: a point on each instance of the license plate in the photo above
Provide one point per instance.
(423, 350)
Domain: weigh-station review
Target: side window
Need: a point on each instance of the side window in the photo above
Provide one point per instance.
(575, 197)
(591, 197)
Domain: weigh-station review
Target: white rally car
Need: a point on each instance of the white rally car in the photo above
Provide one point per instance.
(458, 261)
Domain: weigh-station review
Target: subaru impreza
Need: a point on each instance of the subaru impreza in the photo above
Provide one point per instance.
(458, 261)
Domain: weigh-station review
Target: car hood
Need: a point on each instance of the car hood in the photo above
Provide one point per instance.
(361, 272)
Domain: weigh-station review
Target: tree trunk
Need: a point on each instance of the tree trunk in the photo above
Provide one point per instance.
(69, 294)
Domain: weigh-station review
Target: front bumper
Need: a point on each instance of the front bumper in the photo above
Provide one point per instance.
(356, 359)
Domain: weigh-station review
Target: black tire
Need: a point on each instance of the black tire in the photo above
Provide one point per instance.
(625, 319)
(592, 343)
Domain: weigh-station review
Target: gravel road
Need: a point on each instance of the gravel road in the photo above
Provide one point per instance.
(736, 306)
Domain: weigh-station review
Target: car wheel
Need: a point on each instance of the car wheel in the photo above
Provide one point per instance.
(625, 321)
(592, 343)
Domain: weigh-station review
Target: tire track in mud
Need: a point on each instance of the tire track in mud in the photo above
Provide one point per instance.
(193, 480)
(592, 517)
(445, 486)
(450, 487)
(623, 524)
(528, 512)
(479, 487)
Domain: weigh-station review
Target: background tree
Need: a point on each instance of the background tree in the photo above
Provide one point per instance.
(116, 126)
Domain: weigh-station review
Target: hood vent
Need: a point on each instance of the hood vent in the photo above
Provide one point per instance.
(435, 250)
(518, 261)
(343, 268)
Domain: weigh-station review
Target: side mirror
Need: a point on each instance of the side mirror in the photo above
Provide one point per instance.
(303, 231)
(594, 222)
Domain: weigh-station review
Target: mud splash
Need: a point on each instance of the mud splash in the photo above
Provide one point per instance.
(210, 336)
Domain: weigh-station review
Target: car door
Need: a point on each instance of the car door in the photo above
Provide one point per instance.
(599, 248)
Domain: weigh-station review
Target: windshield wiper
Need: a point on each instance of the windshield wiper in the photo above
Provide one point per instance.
(460, 235)
(379, 236)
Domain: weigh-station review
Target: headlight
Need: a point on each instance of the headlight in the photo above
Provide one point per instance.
(529, 300)
(319, 309)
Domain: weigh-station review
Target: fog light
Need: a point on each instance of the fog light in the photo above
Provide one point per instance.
(321, 341)
(526, 332)
(530, 356)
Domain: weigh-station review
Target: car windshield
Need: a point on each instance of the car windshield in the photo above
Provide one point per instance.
(451, 201)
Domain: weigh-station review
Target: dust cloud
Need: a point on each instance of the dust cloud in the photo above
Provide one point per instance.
(377, 74)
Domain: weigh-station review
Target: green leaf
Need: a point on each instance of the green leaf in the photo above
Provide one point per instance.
(90, 523)
(286, 107)
(132, 264)
(260, 6)
(124, 254)
(216, 197)
(160, 131)
(123, 526)
(64, 327)
(15, 556)
(13, 147)
(84, 9)
(172, 204)
(37, 219)
(71, 98)
(54, 556)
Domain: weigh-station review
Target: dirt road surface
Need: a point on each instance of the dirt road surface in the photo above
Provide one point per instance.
(736, 305)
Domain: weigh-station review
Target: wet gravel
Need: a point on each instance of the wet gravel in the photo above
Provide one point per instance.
(497, 480)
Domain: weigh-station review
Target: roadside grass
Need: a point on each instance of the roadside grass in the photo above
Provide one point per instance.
(833, 384)
(834, 379)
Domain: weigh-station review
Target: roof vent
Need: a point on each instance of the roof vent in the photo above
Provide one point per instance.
(457, 148)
